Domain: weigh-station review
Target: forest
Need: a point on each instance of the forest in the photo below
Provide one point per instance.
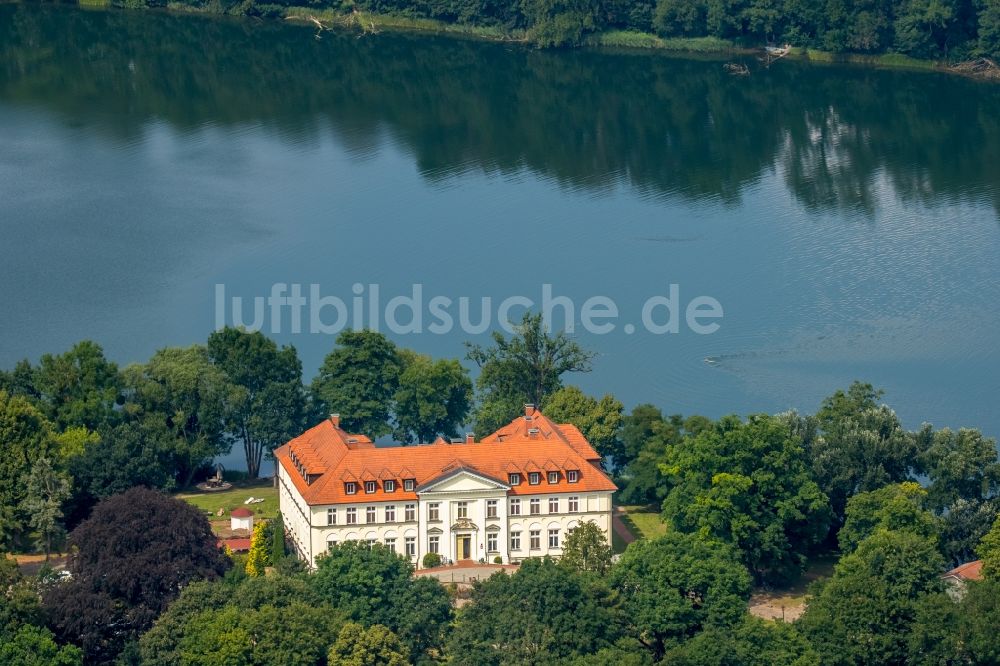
(926, 29)
(91, 453)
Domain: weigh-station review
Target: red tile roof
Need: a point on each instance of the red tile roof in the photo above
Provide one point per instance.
(329, 457)
(237, 544)
(968, 571)
(241, 512)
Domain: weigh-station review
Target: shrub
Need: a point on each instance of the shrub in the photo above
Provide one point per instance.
(497, 560)
(431, 560)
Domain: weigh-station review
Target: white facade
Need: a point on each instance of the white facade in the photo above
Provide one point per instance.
(461, 516)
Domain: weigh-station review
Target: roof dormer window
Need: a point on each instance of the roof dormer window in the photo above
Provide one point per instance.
(534, 478)
(553, 477)
(351, 488)
(370, 487)
(572, 476)
(409, 485)
(389, 486)
(514, 478)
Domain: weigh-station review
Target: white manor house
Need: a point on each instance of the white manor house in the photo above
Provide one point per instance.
(512, 495)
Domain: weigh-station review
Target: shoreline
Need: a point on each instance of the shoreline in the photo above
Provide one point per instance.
(614, 40)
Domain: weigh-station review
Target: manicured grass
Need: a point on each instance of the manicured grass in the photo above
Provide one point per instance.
(643, 521)
(228, 500)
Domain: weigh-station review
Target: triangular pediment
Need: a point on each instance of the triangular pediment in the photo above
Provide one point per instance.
(464, 479)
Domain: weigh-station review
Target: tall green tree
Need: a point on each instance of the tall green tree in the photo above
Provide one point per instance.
(960, 465)
(79, 387)
(25, 437)
(269, 407)
(748, 484)
(895, 507)
(374, 646)
(374, 585)
(433, 398)
(183, 389)
(48, 488)
(587, 549)
(989, 552)
(359, 380)
(600, 421)
(963, 526)
(751, 642)
(678, 585)
(541, 614)
(525, 368)
(861, 446)
(865, 613)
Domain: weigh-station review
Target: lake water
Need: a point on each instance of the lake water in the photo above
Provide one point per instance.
(845, 218)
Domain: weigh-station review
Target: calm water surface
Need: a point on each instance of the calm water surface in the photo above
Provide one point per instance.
(846, 218)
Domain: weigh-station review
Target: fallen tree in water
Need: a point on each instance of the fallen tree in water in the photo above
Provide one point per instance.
(983, 68)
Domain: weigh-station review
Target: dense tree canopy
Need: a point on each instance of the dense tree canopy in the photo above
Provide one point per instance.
(374, 585)
(540, 614)
(128, 561)
(894, 507)
(525, 368)
(861, 446)
(866, 612)
(269, 406)
(678, 585)
(747, 483)
(358, 380)
(433, 399)
(919, 28)
(599, 420)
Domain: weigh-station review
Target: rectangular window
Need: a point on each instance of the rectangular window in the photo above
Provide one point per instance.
(491, 543)
(572, 476)
(371, 543)
(390, 513)
(331, 516)
(553, 505)
(370, 514)
(514, 478)
(462, 509)
(390, 543)
(350, 488)
(515, 541)
(433, 512)
(553, 538)
(515, 507)
(491, 508)
(352, 516)
(534, 478)
(408, 485)
(410, 544)
(535, 539)
(389, 486)
(574, 504)
(553, 477)
(434, 544)
(369, 487)
(536, 507)
(411, 513)
(331, 544)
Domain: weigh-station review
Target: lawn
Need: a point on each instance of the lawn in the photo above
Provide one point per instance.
(643, 521)
(228, 500)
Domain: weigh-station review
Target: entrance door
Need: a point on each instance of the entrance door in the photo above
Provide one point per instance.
(464, 548)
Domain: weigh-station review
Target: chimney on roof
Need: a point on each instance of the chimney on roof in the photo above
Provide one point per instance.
(529, 410)
(335, 420)
(470, 438)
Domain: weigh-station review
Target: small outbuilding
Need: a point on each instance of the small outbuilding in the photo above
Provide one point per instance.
(241, 519)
